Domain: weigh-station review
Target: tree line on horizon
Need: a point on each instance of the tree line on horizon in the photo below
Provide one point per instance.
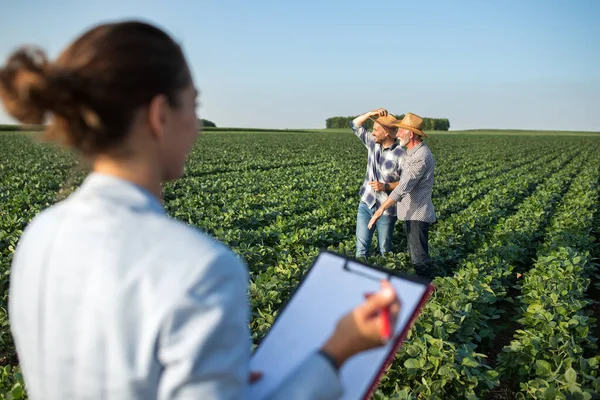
(429, 124)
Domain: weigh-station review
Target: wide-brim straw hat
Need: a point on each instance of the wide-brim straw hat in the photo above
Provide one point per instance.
(387, 121)
(412, 122)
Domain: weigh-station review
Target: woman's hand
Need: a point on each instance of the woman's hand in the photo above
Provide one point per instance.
(361, 329)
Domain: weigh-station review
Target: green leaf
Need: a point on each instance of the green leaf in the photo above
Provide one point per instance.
(491, 374)
(571, 376)
(586, 396)
(412, 363)
(469, 362)
(575, 389)
(412, 351)
(550, 393)
(17, 392)
(445, 371)
(534, 308)
(543, 368)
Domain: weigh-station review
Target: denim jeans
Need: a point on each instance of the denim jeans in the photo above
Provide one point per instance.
(417, 236)
(364, 235)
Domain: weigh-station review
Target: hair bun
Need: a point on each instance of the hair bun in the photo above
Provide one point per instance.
(96, 87)
(24, 85)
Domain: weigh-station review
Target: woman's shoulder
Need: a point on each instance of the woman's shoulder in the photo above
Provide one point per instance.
(195, 253)
(43, 225)
(188, 238)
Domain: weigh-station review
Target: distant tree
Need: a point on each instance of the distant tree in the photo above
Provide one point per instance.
(208, 123)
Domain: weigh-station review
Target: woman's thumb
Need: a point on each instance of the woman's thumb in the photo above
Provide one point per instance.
(382, 299)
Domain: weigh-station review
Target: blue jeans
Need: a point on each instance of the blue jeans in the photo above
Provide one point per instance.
(364, 235)
(417, 235)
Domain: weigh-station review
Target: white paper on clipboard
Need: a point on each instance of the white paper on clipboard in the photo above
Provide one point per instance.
(331, 288)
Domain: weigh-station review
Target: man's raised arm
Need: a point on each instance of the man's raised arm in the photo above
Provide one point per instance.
(361, 119)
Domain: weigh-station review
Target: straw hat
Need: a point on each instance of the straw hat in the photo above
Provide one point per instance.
(412, 122)
(387, 121)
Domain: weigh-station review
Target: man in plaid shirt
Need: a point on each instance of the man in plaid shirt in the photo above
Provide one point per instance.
(383, 174)
(413, 193)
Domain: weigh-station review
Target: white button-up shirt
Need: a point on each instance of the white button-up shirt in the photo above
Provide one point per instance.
(112, 299)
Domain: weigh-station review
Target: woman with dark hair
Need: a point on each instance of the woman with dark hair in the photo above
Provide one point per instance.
(109, 297)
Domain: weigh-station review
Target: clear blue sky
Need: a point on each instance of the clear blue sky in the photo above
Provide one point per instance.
(524, 64)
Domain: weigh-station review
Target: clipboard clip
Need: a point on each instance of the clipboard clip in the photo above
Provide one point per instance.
(365, 274)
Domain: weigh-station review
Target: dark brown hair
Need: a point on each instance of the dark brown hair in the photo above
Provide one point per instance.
(96, 85)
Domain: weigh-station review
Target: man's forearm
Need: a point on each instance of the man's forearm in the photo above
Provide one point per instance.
(397, 193)
(361, 119)
(386, 204)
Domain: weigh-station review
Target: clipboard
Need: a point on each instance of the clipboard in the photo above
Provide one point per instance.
(332, 287)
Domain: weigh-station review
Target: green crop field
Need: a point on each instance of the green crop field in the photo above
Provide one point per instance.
(515, 246)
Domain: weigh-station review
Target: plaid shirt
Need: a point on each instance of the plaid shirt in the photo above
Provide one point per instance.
(383, 166)
(413, 193)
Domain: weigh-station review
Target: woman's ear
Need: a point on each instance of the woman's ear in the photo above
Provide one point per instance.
(158, 116)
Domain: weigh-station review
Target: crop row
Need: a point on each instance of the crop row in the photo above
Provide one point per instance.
(547, 355)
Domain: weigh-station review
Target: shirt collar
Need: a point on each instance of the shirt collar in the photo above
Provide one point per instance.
(412, 151)
(119, 190)
(392, 147)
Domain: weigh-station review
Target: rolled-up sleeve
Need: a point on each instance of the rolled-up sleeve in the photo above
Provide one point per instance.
(362, 133)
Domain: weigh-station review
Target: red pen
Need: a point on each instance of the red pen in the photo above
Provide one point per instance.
(386, 328)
